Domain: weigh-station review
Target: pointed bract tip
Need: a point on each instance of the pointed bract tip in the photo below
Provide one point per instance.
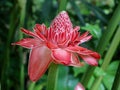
(63, 12)
(13, 43)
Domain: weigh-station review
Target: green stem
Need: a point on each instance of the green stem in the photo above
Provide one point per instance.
(52, 77)
(110, 30)
(103, 43)
(87, 76)
(22, 5)
(31, 86)
(5, 66)
(116, 84)
(108, 58)
(53, 71)
(62, 5)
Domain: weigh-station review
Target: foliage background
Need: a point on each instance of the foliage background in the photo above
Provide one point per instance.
(91, 15)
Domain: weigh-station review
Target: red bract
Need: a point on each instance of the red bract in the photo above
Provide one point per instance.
(79, 86)
(58, 44)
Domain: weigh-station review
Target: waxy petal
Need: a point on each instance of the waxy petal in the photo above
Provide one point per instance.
(84, 37)
(28, 32)
(83, 51)
(89, 56)
(29, 43)
(61, 56)
(89, 59)
(40, 30)
(38, 63)
(75, 61)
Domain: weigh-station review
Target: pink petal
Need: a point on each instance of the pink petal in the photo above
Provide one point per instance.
(76, 28)
(75, 61)
(89, 59)
(84, 34)
(39, 61)
(83, 51)
(89, 56)
(28, 43)
(28, 32)
(79, 50)
(61, 23)
(84, 37)
(40, 30)
(61, 56)
(79, 86)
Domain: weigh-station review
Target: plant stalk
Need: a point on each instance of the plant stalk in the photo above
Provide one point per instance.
(104, 41)
(6, 61)
(22, 6)
(52, 77)
(108, 58)
(53, 71)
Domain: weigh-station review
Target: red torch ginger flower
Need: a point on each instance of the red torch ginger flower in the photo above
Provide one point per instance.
(58, 44)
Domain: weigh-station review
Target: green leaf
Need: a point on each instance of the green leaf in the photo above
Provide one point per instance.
(93, 29)
(113, 67)
(101, 87)
(99, 72)
(72, 82)
(65, 80)
(110, 74)
(97, 11)
(78, 70)
(62, 78)
(39, 86)
(77, 11)
(108, 81)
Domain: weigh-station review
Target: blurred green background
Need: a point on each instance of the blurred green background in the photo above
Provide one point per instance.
(91, 15)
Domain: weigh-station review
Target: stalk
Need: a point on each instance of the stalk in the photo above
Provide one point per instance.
(53, 71)
(104, 41)
(6, 61)
(108, 58)
(52, 77)
(22, 5)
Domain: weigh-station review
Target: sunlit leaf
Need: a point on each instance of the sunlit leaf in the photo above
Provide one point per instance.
(65, 80)
(101, 87)
(62, 78)
(79, 70)
(93, 29)
(113, 67)
(109, 77)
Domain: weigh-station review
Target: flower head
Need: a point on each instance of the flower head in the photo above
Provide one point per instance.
(58, 44)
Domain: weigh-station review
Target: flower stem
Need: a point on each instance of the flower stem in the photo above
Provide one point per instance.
(5, 65)
(108, 58)
(110, 30)
(103, 42)
(53, 71)
(52, 77)
(22, 6)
